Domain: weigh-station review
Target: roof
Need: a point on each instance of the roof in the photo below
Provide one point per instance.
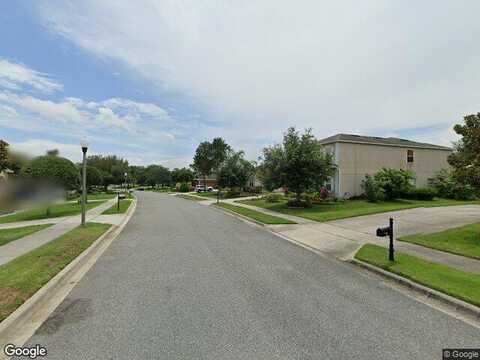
(375, 140)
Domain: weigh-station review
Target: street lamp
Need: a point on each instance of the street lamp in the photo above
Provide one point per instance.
(84, 145)
(126, 184)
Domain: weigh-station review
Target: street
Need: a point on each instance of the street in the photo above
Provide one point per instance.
(185, 281)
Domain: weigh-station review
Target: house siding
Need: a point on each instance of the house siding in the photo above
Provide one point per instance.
(354, 161)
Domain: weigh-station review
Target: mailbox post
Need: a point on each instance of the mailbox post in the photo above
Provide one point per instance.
(388, 231)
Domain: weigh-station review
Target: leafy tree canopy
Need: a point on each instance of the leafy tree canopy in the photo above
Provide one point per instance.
(183, 175)
(53, 169)
(235, 171)
(3, 155)
(157, 175)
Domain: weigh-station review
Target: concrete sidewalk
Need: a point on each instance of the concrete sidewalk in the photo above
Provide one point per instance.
(343, 238)
(62, 225)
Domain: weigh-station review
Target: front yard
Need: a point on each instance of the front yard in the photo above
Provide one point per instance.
(56, 210)
(9, 235)
(463, 240)
(124, 205)
(255, 215)
(457, 283)
(350, 208)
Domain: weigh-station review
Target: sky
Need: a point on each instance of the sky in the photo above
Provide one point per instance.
(148, 80)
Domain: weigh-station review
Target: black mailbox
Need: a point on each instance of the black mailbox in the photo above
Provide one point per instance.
(384, 231)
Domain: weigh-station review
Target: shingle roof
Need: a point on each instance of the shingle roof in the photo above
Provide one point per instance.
(390, 141)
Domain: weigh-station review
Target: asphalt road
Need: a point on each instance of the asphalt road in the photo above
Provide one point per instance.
(185, 281)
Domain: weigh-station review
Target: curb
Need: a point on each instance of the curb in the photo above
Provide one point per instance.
(457, 304)
(20, 325)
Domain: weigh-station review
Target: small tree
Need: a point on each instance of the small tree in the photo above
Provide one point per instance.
(235, 171)
(465, 159)
(53, 170)
(203, 161)
(94, 177)
(299, 163)
(394, 182)
(220, 150)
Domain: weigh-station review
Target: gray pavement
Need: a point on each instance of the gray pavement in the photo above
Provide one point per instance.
(185, 281)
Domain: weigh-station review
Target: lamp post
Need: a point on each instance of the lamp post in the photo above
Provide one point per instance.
(126, 188)
(84, 145)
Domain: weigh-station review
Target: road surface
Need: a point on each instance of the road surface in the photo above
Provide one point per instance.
(185, 281)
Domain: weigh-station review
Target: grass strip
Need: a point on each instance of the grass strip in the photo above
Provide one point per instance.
(350, 208)
(25, 275)
(190, 197)
(124, 205)
(56, 210)
(255, 215)
(463, 240)
(457, 283)
(9, 235)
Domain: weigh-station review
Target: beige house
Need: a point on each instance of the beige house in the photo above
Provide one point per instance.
(357, 156)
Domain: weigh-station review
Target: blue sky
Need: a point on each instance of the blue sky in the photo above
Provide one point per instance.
(148, 80)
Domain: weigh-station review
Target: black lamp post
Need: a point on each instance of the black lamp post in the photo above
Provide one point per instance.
(84, 145)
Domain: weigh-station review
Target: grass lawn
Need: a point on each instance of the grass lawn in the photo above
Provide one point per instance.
(98, 196)
(190, 197)
(255, 215)
(23, 276)
(463, 240)
(8, 235)
(460, 284)
(351, 208)
(56, 210)
(124, 205)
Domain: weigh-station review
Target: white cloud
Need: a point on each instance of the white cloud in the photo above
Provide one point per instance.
(37, 147)
(106, 116)
(258, 67)
(14, 76)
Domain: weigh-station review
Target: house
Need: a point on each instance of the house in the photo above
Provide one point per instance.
(357, 156)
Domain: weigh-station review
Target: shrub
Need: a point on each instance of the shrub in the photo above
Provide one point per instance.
(394, 182)
(232, 193)
(273, 198)
(184, 187)
(425, 193)
(305, 201)
(372, 189)
(447, 186)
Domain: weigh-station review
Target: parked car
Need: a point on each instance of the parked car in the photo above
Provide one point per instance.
(201, 188)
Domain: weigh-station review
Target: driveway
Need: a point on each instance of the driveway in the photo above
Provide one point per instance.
(186, 281)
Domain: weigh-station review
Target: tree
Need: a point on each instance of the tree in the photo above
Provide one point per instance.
(113, 168)
(220, 150)
(298, 163)
(138, 174)
(53, 152)
(183, 175)
(157, 175)
(94, 177)
(4, 154)
(465, 160)
(53, 170)
(235, 171)
(204, 161)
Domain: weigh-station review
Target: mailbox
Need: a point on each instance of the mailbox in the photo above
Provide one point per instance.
(384, 231)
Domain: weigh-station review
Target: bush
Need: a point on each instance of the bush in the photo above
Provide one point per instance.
(273, 198)
(232, 193)
(446, 186)
(425, 193)
(184, 188)
(372, 189)
(394, 182)
(305, 201)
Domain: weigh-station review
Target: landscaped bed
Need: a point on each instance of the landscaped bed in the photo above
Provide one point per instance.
(350, 208)
(124, 205)
(463, 240)
(56, 210)
(190, 197)
(25, 275)
(460, 284)
(255, 215)
(9, 235)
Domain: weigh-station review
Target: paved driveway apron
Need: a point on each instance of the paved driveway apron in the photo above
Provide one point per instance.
(185, 281)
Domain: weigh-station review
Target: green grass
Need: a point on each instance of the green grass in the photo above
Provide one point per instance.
(463, 240)
(56, 210)
(190, 197)
(124, 205)
(25, 275)
(457, 283)
(255, 215)
(351, 208)
(8, 235)
(98, 196)
(208, 195)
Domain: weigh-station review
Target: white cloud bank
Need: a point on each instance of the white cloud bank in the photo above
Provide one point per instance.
(260, 66)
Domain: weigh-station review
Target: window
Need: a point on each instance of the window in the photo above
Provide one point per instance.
(409, 156)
